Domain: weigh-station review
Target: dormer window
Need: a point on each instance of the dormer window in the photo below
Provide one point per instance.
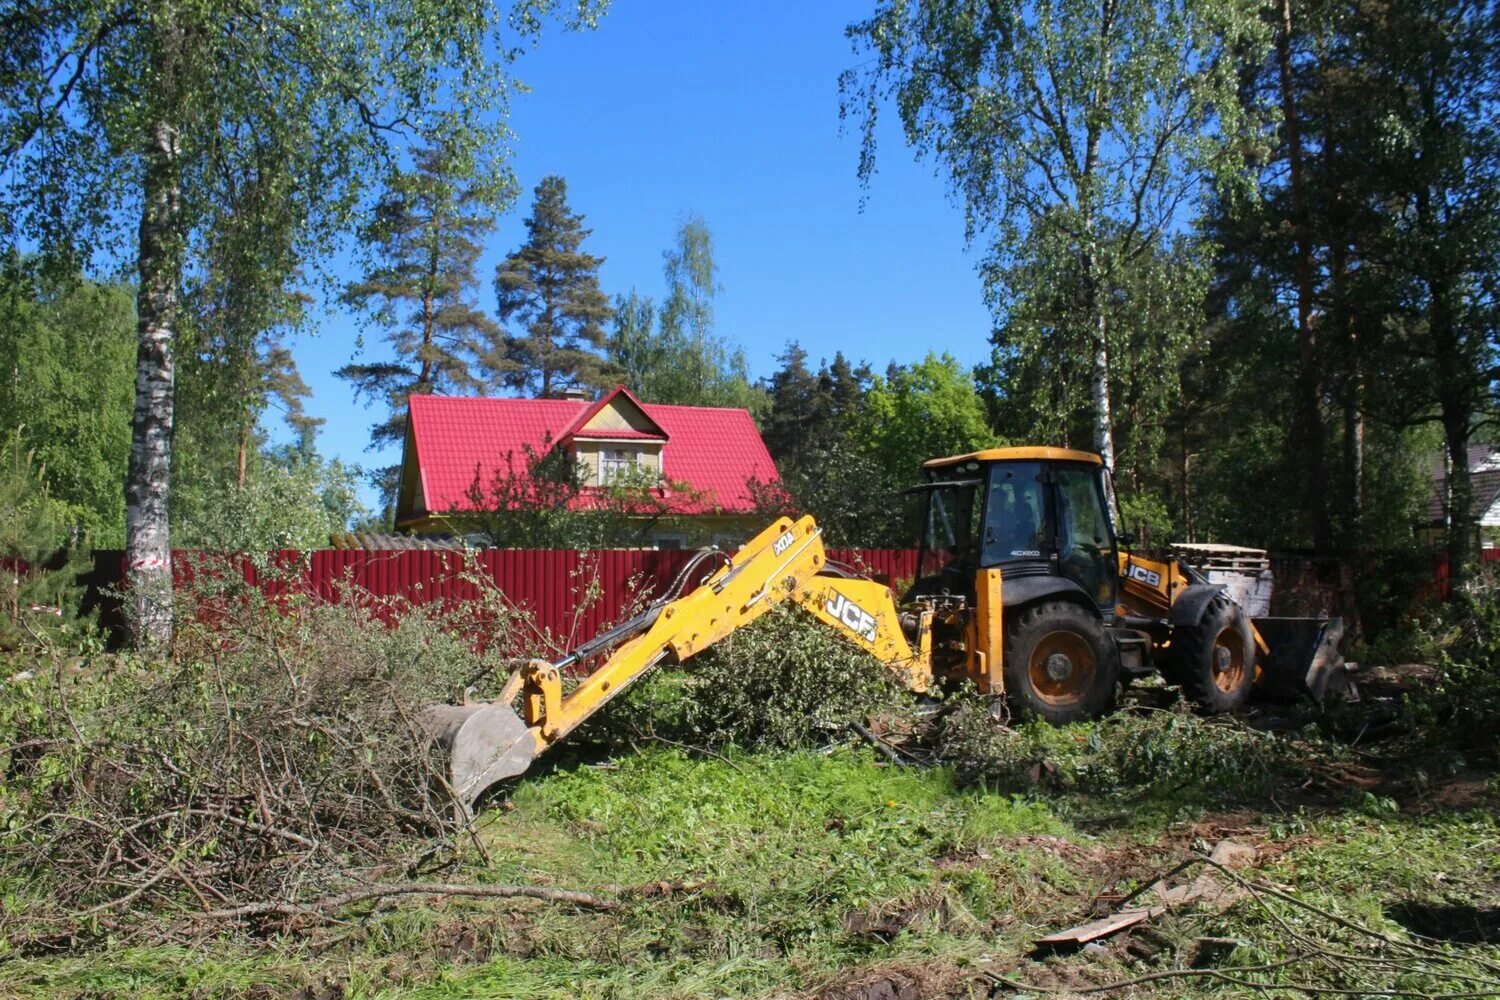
(617, 464)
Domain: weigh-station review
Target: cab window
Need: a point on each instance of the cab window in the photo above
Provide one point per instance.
(1085, 547)
(1015, 524)
(952, 520)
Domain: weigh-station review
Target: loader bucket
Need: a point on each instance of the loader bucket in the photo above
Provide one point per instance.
(1304, 657)
(486, 743)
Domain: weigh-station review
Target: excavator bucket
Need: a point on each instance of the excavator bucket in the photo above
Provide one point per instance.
(1304, 658)
(486, 743)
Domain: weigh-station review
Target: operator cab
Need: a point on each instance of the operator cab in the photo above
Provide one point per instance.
(1036, 514)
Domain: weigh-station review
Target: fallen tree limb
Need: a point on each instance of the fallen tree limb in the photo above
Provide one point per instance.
(880, 745)
(332, 904)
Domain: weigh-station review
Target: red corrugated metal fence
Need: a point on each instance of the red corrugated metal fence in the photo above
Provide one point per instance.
(571, 594)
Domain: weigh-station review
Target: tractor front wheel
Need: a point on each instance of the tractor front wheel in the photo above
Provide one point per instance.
(1214, 661)
(1059, 663)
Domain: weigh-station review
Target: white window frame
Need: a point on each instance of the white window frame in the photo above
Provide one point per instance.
(614, 461)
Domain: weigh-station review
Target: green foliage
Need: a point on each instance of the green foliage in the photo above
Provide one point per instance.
(39, 564)
(784, 681)
(77, 415)
(549, 289)
(1463, 708)
(322, 92)
(857, 502)
(1042, 115)
(921, 411)
(1161, 753)
(812, 411)
(1037, 384)
(240, 307)
(683, 361)
(545, 500)
(293, 501)
(813, 430)
(425, 236)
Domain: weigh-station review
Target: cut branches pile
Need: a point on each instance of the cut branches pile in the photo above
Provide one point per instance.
(273, 771)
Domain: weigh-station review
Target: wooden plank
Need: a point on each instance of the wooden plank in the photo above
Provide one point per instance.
(1103, 927)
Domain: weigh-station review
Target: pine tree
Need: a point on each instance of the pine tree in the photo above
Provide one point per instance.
(828, 467)
(795, 403)
(426, 232)
(549, 288)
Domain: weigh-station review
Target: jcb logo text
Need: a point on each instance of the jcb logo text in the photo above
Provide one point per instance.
(857, 619)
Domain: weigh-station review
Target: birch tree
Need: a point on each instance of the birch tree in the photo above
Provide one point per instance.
(1101, 116)
(121, 119)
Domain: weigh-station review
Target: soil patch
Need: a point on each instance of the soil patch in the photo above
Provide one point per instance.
(900, 982)
(1456, 922)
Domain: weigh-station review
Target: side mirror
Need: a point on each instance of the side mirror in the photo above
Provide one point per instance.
(1126, 538)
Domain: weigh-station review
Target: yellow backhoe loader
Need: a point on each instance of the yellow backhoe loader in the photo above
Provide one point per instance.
(1024, 589)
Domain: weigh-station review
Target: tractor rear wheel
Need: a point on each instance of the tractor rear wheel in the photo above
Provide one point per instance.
(1214, 661)
(1059, 663)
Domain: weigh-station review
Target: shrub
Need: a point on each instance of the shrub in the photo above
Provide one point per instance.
(786, 680)
(1462, 708)
(291, 502)
(1162, 752)
(39, 564)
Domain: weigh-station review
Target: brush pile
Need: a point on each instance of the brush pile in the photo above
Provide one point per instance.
(275, 759)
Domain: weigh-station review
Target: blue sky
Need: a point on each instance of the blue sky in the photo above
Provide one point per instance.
(729, 111)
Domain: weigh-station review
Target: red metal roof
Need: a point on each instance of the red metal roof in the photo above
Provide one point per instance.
(713, 450)
(615, 434)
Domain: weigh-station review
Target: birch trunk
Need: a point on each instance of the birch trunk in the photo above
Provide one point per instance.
(1104, 442)
(1099, 350)
(148, 538)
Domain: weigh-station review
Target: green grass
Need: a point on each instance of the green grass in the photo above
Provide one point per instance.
(797, 859)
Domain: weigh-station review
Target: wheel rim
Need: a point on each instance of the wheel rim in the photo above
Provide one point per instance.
(1228, 660)
(1062, 668)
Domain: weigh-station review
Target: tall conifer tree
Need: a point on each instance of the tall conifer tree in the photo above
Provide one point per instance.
(427, 234)
(684, 360)
(549, 289)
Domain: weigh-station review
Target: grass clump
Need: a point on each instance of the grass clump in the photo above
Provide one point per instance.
(783, 855)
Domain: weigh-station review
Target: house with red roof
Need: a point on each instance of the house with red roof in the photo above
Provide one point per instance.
(702, 458)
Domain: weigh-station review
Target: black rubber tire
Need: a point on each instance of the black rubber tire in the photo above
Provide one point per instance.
(1190, 662)
(1060, 623)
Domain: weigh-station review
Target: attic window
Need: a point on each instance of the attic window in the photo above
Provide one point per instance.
(616, 464)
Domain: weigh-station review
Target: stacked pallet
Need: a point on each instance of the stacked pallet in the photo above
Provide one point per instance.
(1245, 573)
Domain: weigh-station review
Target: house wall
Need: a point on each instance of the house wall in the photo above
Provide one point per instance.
(619, 415)
(648, 455)
(409, 493)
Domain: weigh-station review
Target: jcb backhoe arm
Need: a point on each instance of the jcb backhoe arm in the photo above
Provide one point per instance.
(488, 741)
